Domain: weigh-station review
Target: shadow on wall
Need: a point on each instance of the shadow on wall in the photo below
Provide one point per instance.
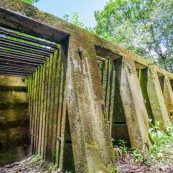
(113, 101)
(14, 120)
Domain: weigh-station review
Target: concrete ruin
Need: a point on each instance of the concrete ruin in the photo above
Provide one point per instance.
(84, 93)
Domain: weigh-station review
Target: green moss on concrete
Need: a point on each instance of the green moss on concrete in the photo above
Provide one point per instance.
(168, 96)
(14, 120)
(13, 97)
(132, 102)
(143, 83)
(85, 91)
(155, 94)
(13, 82)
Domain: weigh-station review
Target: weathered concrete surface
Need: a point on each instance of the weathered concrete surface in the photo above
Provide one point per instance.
(92, 149)
(33, 21)
(113, 107)
(83, 96)
(168, 96)
(90, 133)
(14, 120)
(143, 78)
(157, 103)
(107, 75)
(132, 102)
(48, 108)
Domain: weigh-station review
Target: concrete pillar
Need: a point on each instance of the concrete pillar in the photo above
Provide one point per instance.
(143, 78)
(156, 98)
(168, 96)
(128, 88)
(91, 141)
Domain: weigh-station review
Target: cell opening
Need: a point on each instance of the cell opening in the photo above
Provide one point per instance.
(113, 104)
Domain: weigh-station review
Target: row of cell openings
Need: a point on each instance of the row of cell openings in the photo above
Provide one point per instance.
(112, 98)
(21, 54)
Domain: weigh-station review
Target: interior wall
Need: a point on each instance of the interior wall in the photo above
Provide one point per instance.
(47, 106)
(14, 119)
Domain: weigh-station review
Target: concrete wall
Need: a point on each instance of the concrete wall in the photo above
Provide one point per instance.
(14, 119)
(51, 137)
(127, 93)
(113, 108)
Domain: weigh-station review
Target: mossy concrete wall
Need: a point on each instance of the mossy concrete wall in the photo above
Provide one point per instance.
(143, 78)
(51, 137)
(157, 93)
(156, 98)
(168, 96)
(14, 120)
(113, 108)
(90, 107)
(53, 88)
(129, 89)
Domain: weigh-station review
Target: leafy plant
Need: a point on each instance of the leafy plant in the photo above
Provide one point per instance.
(161, 150)
(122, 146)
(30, 1)
(162, 140)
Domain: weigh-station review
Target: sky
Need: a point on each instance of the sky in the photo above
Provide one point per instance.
(85, 8)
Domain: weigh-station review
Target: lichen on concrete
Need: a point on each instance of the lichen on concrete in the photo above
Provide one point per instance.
(74, 88)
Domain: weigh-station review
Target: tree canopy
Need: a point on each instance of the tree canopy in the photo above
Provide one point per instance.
(142, 26)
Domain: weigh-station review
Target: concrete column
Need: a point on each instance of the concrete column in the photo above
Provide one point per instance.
(128, 88)
(156, 98)
(168, 96)
(91, 141)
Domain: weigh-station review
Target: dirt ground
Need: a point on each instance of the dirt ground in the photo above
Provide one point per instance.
(123, 166)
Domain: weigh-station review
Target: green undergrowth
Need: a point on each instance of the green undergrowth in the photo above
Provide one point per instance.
(37, 163)
(159, 152)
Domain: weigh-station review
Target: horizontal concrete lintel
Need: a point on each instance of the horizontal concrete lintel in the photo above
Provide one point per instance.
(140, 66)
(25, 24)
(18, 19)
(119, 51)
(106, 53)
(162, 72)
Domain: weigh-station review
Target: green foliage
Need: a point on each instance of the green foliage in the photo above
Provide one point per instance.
(30, 1)
(163, 140)
(160, 151)
(137, 26)
(75, 21)
(34, 161)
(140, 156)
(122, 145)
